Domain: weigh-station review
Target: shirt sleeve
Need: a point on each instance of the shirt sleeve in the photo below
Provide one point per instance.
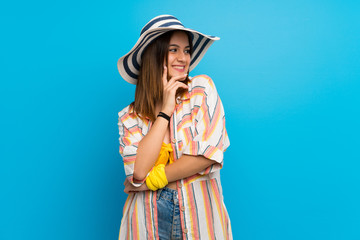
(130, 136)
(209, 136)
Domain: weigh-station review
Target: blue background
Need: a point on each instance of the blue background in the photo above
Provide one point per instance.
(288, 74)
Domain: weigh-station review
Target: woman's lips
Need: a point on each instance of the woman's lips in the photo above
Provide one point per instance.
(179, 68)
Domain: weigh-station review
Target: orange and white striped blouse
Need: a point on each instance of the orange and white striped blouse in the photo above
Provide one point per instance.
(197, 127)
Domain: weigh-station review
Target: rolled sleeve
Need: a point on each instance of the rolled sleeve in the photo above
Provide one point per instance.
(209, 136)
(129, 141)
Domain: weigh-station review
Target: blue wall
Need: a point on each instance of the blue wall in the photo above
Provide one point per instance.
(288, 73)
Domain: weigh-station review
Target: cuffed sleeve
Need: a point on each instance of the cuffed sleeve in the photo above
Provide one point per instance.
(130, 136)
(208, 136)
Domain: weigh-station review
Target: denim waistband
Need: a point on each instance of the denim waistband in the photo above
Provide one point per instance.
(167, 193)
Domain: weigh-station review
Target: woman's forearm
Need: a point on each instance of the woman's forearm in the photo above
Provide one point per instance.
(149, 148)
(186, 166)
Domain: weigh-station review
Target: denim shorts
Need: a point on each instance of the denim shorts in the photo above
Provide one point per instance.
(168, 214)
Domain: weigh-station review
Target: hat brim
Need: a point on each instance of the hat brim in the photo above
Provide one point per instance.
(129, 64)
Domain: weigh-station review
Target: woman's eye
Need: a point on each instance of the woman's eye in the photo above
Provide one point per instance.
(187, 51)
(172, 50)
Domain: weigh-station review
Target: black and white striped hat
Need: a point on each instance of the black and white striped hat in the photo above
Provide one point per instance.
(129, 64)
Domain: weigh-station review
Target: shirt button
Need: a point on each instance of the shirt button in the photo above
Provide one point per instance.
(185, 231)
(173, 141)
(182, 208)
(180, 185)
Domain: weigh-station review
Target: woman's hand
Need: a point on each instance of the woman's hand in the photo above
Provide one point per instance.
(170, 88)
(129, 188)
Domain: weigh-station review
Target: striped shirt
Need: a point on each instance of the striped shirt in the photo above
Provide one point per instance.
(197, 127)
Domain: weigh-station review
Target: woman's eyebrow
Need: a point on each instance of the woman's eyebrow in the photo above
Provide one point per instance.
(175, 45)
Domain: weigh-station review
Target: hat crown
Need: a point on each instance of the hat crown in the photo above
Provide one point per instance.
(162, 21)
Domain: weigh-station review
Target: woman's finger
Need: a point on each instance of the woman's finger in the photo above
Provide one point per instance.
(174, 87)
(177, 78)
(170, 89)
(164, 77)
(173, 82)
(130, 188)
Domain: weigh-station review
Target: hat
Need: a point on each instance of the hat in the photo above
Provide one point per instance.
(129, 64)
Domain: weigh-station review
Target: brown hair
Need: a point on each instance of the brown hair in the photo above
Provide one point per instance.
(149, 87)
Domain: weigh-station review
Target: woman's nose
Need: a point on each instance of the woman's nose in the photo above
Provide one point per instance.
(181, 56)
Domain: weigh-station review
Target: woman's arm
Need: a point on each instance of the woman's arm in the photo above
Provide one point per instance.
(149, 147)
(185, 166)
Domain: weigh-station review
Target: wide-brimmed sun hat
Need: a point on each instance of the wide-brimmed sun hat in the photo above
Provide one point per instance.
(129, 64)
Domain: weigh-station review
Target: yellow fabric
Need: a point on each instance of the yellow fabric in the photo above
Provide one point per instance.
(157, 178)
(165, 154)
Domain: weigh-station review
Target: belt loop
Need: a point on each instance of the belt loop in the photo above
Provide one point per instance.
(158, 194)
(175, 197)
(175, 194)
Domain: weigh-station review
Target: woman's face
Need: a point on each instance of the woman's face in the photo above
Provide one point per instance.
(179, 54)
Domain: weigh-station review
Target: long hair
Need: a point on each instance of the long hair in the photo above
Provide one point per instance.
(149, 87)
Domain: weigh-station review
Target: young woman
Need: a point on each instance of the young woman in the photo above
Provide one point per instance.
(172, 138)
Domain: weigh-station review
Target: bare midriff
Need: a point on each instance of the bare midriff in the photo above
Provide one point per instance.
(172, 185)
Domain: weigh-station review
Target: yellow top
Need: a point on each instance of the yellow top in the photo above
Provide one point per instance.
(165, 154)
(157, 178)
